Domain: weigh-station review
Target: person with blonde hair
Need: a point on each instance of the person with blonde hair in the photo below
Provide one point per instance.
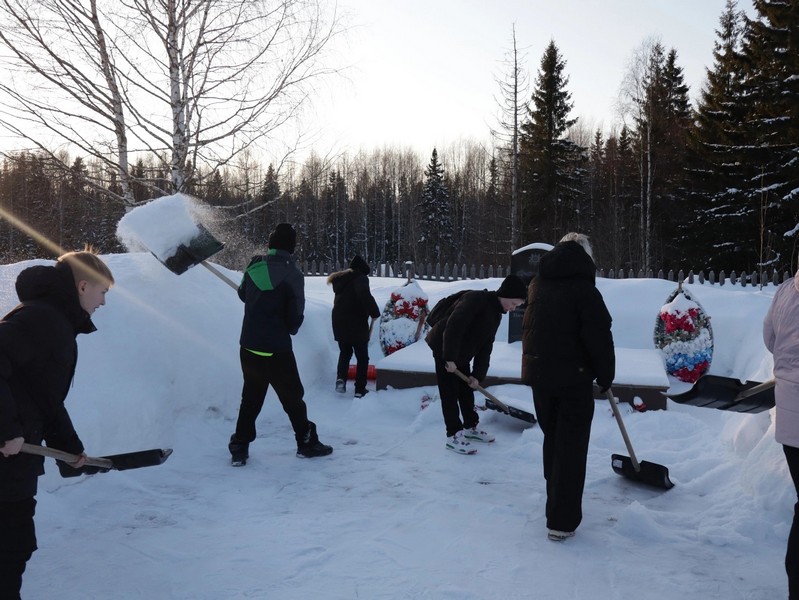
(566, 344)
(38, 356)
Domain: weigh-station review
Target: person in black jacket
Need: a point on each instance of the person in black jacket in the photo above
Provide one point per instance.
(352, 306)
(467, 335)
(38, 355)
(566, 344)
(273, 292)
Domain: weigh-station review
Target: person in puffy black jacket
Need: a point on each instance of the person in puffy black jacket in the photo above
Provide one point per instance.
(352, 306)
(273, 292)
(464, 337)
(38, 355)
(566, 344)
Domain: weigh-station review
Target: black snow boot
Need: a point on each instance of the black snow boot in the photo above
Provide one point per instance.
(309, 446)
(239, 452)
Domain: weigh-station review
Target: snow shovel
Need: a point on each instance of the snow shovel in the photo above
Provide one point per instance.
(502, 406)
(201, 247)
(728, 393)
(628, 466)
(118, 462)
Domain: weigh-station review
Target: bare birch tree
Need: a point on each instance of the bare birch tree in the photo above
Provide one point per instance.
(195, 82)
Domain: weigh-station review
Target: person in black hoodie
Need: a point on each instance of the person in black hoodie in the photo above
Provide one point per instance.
(465, 335)
(352, 306)
(38, 355)
(273, 292)
(566, 344)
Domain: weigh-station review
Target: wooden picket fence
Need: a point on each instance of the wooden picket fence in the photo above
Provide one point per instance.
(446, 272)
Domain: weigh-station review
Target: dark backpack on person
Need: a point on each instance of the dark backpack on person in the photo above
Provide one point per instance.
(444, 307)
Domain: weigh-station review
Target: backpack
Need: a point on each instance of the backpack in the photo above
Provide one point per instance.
(444, 307)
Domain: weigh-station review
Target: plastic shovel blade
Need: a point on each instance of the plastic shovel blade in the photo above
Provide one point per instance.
(723, 393)
(649, 473)
(142, 458)
(201, 247)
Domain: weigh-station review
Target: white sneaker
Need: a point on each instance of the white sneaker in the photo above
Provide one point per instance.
(457, 443)
(478, 435)
(559, 536)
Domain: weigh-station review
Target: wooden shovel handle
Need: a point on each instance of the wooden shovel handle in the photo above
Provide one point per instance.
(623, 429)
(221, 275)
(761, 387)
(103, 463)
(486, 393)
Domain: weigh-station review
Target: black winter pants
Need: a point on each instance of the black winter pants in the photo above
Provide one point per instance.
(17, 544)
(279, 371)
(345, 351)
(792, 553)
(457, 398)
(564, 415)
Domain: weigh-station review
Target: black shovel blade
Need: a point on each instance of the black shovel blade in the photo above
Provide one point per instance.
(649, 473)
(714, 391)
(201, 247)
(142, 458)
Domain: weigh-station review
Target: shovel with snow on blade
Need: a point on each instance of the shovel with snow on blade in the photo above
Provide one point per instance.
(199, 249)
(628, 466)
(728, 393)
(117, 462)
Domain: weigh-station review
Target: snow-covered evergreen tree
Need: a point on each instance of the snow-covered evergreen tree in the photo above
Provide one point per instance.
(435, 227)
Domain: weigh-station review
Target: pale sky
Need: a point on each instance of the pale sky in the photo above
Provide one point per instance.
(424, 73)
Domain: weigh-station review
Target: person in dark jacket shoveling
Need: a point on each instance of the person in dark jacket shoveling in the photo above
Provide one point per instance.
(352, 307)
(467, 335)
(38, 356)
(566, 344)
(273, 292)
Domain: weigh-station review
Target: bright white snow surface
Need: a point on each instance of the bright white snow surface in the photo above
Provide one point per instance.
(391, 513)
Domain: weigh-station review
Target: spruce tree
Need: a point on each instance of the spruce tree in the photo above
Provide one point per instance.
(551, 173)
(771, 54)
(435, 227)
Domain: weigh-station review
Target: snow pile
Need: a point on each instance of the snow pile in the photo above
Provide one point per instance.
(161, 225)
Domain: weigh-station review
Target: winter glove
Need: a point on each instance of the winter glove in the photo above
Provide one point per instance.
(67, 471)
(603, 387)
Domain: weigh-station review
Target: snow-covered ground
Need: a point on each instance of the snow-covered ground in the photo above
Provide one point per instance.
(390, 514)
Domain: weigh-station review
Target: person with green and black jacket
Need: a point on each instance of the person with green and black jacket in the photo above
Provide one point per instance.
(463, 341)
(273, 291)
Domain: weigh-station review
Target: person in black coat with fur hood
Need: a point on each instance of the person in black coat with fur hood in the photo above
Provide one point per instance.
(566, 344)
(463, 341)
(38, 356)
(352, 307)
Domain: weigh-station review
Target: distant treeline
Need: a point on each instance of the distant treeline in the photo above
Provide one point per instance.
(708, 187)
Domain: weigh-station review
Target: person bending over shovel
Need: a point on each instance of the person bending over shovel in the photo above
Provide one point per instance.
(566, 344)
(273, 292)
(38, 355)
(466, 335)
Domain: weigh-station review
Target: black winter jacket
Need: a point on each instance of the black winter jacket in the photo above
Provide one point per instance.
(38, 355)
(566, 335)
(273, 292)
(352, 306)
(469, 331)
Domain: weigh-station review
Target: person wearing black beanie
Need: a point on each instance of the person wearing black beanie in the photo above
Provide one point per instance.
(352, 307)
(462, 340)
(273, 292)
(284, 237)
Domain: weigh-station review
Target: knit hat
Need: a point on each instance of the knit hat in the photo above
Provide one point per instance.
(359, 264)
(283, 238)
(512, 287)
